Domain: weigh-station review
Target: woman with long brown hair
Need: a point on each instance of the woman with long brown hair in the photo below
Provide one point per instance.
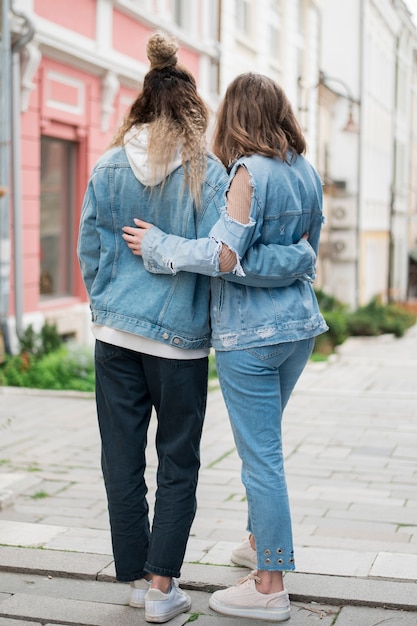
(263, 337)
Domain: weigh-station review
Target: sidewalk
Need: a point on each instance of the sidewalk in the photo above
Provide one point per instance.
(350, 437)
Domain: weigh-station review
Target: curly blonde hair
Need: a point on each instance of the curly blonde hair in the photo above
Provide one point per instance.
(173, 111)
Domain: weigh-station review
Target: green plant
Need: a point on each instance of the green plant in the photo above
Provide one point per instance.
(45, 362)
(212, 367)
(336, 314)
(193, 617)
(65, 368)
(337, 321)
(39, 495)
(328, 302)
(50, 338)
(376, 318)
(40, 343)
(371, 319)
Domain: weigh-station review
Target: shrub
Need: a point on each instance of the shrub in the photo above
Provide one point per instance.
(38, 344)
(328, 302)
(45, 362)
(335, 313)
(337, 333)
(372, 319)
(376, 318)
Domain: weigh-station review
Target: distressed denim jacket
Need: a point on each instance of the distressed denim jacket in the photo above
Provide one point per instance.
(269, 299)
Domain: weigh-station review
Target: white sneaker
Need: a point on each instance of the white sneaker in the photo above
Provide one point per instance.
(244, 600)
(161, 607)
(245, 555)
(138, 589)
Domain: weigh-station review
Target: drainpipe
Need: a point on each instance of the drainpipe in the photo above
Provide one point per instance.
(4, 176)
(364, 12)
(16, 169)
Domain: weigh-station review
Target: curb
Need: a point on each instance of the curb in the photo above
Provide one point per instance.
(318, 588)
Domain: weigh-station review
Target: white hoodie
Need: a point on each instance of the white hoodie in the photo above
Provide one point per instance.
(136, 146)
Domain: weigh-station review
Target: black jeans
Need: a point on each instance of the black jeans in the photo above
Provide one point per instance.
(128, 385)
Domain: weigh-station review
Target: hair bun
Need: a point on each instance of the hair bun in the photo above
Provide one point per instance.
(161, 51)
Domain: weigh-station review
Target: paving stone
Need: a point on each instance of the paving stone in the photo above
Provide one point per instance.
(73, 612)
(25, 534)
(334, 562)
(355, 616)
(341, 590)
(82, 540)
(7, 479)
(69, 588)
(400, 566)
(99, 523)
(52, 562)
(350, 435)
(6, 498)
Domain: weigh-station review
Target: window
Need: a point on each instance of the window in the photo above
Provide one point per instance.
(301, 17)
(211, 19)
(180, 13)
(274, 40)
(57, 217)
(243, 16)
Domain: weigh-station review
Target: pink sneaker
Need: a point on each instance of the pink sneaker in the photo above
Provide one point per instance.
(244, 600)
(245, 555)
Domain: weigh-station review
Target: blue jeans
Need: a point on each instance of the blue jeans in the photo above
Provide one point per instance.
(256, 385)
(128, 385)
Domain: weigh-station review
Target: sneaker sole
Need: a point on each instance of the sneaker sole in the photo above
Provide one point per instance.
(160, 618)
(137, 605)
(269, 615)
(244, 562)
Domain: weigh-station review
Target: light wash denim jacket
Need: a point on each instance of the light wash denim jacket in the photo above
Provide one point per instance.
(123, 295)
(172, 309)
(286, 203)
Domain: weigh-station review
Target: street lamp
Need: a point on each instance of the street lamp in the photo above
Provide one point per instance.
(326, 81)
(343, 236)
(351, 125)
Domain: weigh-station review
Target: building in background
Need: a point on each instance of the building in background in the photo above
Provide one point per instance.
(68, 75)
(279, 38)
(75, 71)
(367, 149)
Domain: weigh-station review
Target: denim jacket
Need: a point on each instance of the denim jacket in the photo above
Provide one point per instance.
(286, 203)
(123, 295)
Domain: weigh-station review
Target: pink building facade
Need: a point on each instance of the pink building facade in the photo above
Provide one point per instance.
(78, 74)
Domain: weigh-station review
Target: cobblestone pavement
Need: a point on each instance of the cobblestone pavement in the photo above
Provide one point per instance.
(350, 440)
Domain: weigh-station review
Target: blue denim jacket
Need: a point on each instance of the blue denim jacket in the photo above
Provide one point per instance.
(286, 203)
(123, 295)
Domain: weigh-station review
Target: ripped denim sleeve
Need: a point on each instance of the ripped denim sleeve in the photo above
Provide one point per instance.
(169, 254)
(234, 234)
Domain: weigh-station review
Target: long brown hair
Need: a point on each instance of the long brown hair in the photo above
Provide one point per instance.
(173, 110)
(256, 117)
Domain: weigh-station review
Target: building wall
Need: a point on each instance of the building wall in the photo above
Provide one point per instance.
(281, 39)
(371, 57)
(79, 75)
(84, 66)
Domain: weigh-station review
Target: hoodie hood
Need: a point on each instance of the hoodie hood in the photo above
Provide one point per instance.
(136, 146)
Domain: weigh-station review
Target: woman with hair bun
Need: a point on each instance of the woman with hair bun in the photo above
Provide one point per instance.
(153, 332)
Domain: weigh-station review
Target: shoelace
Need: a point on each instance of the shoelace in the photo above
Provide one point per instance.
(252, 576)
